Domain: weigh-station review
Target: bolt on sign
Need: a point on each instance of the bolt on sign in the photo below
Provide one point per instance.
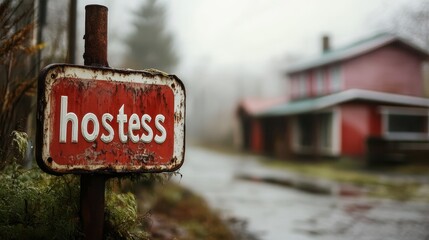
(109, 121)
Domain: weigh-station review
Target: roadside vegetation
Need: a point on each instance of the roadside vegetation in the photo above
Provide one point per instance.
(177, 213)
(35, 205)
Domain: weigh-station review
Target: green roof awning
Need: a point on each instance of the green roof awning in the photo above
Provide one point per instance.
(315, 104)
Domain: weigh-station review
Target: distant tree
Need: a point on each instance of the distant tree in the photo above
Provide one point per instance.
(20, 60)
(150, 45)
(17, 68)
(55, 33)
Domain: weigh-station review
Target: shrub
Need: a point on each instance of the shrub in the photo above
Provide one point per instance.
(34, 205)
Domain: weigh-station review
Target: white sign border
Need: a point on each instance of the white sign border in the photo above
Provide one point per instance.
(52, 73)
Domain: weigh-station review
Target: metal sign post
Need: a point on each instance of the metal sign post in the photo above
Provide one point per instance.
(92, 187)
(96, 121)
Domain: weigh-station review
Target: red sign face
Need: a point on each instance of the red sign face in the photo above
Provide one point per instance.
(109, 121)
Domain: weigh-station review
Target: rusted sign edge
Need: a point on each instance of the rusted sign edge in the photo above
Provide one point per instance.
(96, 73)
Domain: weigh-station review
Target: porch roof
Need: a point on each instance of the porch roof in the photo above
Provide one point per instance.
(315, 104)
(253, 106)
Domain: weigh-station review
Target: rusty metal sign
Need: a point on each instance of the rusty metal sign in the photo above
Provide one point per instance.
(103, 120)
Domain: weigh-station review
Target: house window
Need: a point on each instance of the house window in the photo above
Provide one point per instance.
(336, 78)
(302, 85)
(293, 87)
(405, 123)
(319, 82)
(325, 130)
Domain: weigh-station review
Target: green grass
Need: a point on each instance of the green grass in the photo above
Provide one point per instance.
(351, 172)
(183, 213)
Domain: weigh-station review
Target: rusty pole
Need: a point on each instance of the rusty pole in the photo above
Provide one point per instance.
(95, 36)
(92, 199)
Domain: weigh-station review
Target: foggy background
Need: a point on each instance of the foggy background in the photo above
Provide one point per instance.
(224, 52)
(230, 50)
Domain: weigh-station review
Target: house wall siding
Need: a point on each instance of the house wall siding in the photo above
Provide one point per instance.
(390, 69)
(316, 82)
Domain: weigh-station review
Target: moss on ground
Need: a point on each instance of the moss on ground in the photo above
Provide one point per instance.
(35, 205)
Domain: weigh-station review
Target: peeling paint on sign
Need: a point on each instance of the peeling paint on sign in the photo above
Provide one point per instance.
(109, 120)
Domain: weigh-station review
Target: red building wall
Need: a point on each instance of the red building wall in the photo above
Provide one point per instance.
(391, 69)
(256, 136)
(355, 128)
(375, 119)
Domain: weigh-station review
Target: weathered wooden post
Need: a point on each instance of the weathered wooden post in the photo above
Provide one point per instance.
(97, 121)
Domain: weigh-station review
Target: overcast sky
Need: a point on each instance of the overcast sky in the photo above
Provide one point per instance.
(247, 32)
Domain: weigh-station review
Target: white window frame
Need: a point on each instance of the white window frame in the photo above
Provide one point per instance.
(336, 78)
(334, 149)
(406, 111)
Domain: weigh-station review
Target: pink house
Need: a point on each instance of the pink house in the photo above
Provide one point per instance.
(347, 102)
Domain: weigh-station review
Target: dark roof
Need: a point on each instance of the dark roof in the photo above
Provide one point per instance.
(356, 49)
(315, 104)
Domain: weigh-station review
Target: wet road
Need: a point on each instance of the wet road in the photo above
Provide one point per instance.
(277, 213)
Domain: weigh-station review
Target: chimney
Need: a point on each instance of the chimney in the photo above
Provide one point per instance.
(326, 44)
